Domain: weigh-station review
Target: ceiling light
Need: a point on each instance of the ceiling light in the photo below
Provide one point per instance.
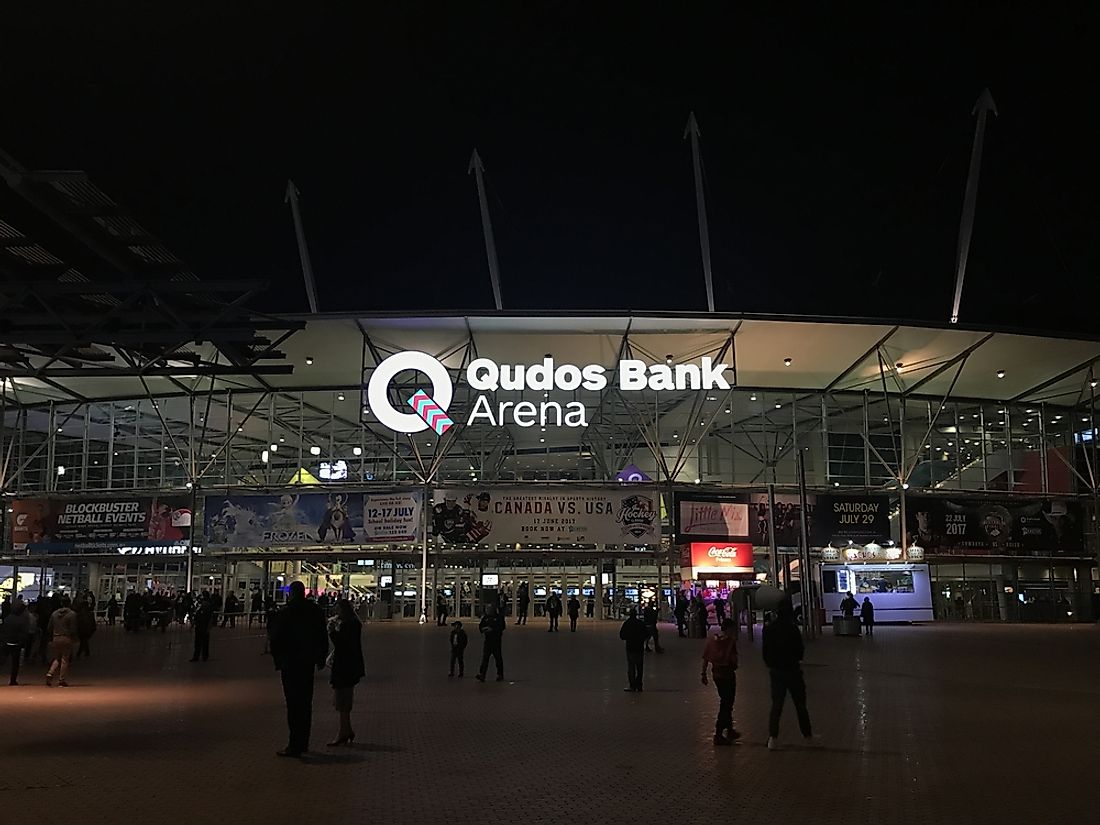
(786, 362)
(1092, 383)
(274, 448)
(675, 435)
(905, 486)
(728, 410)
(542, 441)
(668, 358)
(427, 443)
(240, 429)
(1000, 373)
(309, 361)
(836, 483)
(61, 469)
(282, 439)
(314, 450)
(698, 481)
(339, 396)
(356, 450)
(264, 456)
(778, 406)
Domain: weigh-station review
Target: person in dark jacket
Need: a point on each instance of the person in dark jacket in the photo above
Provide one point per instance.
(14, 633)
(721, 654)
(867, 616)
(783, 650)
(649, 619)
(299, 644)
(523, 604)
(256, 607)
(634, 633)
(440, 611)
(230, 613)
(573, 607)
(553, 611)
(680, 612)
(491, 628)
(201, 620)
(85, 627)
(347, 669)
(848, 606)
(112, 610)
(458, 649)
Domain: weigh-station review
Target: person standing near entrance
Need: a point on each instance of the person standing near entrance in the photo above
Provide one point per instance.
(299, 645)
(650, 617)
(347, 669)
(63, 627)
(14, 633)
(491, 628)
(634, 633)
(85, 627)
(553, 610)
(680, 611)
(523, 603)
(458, 649)
(201, 619)
(256, 607)
(440, 610)
(867, 616)
(721, 654)
(783, 651)
(589, 606)
(112, 609)
(574, 609)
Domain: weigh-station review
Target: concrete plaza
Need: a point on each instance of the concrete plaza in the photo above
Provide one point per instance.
(956, 724)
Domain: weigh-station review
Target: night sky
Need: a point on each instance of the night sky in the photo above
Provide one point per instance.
(836, 143)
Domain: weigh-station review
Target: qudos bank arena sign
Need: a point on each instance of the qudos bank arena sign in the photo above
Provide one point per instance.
(432, 400)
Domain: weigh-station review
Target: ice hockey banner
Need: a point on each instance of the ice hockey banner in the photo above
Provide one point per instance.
(312, 519)
(98, 523)
(546, 516)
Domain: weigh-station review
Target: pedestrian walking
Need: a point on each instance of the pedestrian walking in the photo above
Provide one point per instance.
(458, 649)
(573, 607)
(553, 611)
(345, 666)
(783, 651)
(201, 620)
(634, 633)
(85, 627)
(14, 633)
(112, 610)
(256, 607)
(491, 628)
(650, 617)
(299, 645)
(721, 654)
(63, 629)
(867, 616)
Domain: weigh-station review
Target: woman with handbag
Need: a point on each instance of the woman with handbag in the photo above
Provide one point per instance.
(345, 666)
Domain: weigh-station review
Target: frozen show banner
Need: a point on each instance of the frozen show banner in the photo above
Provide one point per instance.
(483, 515)
(312, 519)
(86, 523)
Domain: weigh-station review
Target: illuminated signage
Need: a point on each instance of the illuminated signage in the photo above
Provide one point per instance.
(155, 550)
(709, 555)
(429, 407)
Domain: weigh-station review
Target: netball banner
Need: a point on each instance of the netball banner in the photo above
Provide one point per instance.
(309, 519)
(98, 523)
(482, 516)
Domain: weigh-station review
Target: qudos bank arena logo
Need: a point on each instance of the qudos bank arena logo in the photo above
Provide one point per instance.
(429, 408)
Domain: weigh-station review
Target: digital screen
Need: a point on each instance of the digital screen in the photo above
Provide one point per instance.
(843, 585)
(885, 581)
(334, 470)
(590, 591)
(572, 591)
(385, 581)
(540, 591)
(632, 591)
(490, 579)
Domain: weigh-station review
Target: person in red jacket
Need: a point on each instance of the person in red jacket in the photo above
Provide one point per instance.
(721, 654)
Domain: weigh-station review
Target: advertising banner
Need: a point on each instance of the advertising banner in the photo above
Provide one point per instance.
(710, 556)
(992, 527)
(83, 524)
(840, 519)
(712, 516)
(788, 519)
(484, 516)
(315, 518)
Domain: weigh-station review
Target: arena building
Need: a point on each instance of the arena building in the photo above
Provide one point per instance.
(156, 433)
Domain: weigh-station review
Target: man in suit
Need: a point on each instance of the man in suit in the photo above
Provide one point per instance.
(299, 645)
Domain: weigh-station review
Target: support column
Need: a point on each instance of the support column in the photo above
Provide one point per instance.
(598, 612)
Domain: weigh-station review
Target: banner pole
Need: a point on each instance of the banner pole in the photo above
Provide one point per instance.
(424, 557)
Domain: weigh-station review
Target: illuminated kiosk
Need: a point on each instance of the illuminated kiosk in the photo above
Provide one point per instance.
(898, 587)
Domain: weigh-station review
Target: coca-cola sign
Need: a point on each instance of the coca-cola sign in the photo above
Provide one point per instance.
(711, 555)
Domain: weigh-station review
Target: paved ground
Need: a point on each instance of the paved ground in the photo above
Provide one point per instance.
(945, 724)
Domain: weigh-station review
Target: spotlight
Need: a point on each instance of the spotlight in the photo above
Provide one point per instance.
(314, 450)
(1000, 373)
(786, 362)
(309, 361)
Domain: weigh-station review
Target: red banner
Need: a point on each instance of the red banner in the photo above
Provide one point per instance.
(715, 555)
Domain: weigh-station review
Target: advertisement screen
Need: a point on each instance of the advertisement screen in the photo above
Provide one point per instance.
(82, 524)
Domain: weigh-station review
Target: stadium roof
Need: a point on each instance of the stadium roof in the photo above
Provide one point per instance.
(826, 354)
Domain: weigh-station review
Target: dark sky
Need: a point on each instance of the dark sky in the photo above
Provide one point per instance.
(836, 142)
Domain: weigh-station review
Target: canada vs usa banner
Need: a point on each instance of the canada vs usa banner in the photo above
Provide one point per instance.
(585, 516)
